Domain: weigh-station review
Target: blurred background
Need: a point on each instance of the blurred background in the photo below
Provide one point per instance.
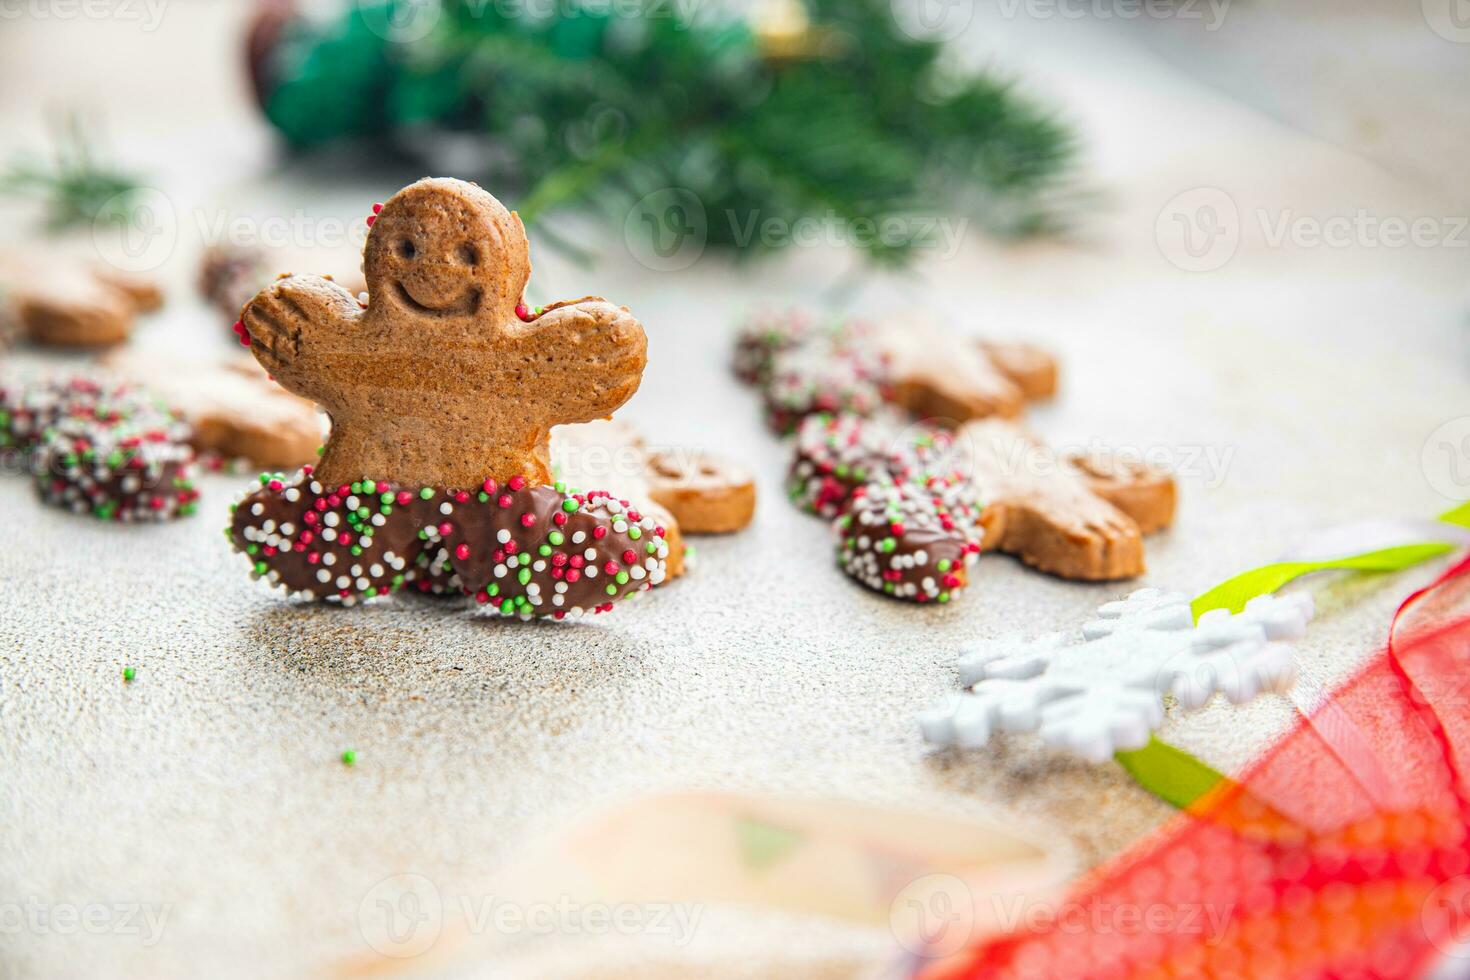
(1241, 224)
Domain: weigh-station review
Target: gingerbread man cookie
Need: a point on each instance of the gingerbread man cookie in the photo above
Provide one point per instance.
(804, 367)
(1076, 522)
(444, 378)
(442, 388)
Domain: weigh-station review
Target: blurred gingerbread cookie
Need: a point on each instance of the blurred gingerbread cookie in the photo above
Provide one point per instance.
(237, 412)
(689, 490)
(231, 274)
(59, 300)
(805, 366)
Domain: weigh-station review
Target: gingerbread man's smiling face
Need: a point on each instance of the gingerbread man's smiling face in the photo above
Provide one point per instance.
(446, 249)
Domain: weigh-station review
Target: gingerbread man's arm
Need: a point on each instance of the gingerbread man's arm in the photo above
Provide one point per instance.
(588, 357)
(297, 325)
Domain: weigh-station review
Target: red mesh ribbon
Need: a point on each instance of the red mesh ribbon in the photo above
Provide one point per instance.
(1343, 886)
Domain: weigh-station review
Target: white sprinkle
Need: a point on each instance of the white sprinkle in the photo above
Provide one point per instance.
(257, 509)
(578, 537)
(502, 536)
(323, 576)
(446, 508)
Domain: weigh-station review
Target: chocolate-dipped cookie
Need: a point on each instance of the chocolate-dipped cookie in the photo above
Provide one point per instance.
(834, 455)
(913, 541)
(526, 551)
(115, 472)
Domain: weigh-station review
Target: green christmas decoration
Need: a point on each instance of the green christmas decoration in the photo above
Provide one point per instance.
(75, 186)
(822, 113)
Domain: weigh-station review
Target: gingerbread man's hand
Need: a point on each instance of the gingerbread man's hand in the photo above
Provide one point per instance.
(294, 323)
(593, 350)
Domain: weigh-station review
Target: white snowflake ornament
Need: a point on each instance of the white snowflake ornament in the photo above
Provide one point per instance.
(1106, 693)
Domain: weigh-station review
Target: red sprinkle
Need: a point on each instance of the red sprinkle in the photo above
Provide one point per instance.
(462, 552)
(527, 520)
(599, 532)
(516, 483)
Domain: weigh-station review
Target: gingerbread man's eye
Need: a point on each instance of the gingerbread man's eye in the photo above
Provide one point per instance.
(406, 249)
(469, 255)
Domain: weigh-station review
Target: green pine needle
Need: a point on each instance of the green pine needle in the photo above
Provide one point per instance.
(74, 187)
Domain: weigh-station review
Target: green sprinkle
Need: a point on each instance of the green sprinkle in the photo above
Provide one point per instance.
(129, 674)
(944, 597)
(556, 537)
(427, 493)
(945, 564)
(261, 568)
(484, 497)
(570, 505)
(612, 590)
(368, 486)
(507, 607)
(635, 532)
(622, 578)
(524, 575)
(887, 545)
(544, 550)
(494, 589)
(320, 450)
(356, 550)
(559, 487)
(386, 498)
(349, 757)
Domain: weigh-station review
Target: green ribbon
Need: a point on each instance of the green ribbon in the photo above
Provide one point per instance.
(1178, 778)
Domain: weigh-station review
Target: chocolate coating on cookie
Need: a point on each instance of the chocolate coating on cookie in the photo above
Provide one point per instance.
(817, 378)
(115, 472)
(913, 541)
(527, 551)
(834, 455)
(28, 411)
